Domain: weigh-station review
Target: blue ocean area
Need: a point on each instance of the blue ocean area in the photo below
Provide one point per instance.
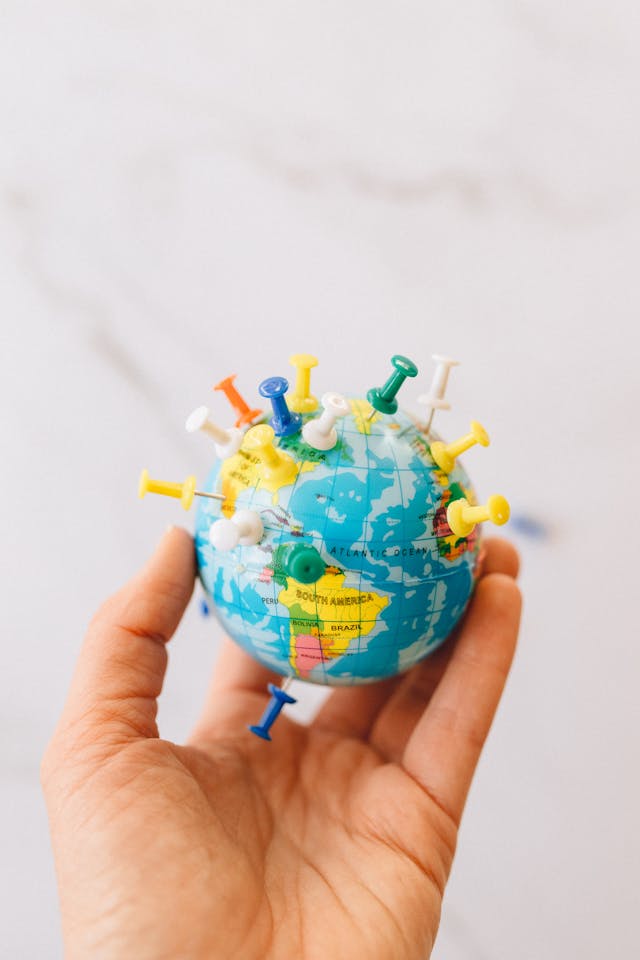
(369, 508)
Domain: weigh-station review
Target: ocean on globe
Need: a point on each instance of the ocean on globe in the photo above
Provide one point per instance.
(395, 580)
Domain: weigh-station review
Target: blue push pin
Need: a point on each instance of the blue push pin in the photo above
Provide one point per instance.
(279, 697)
(284, 422)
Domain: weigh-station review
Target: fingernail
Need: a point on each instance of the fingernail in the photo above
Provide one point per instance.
(175, 526)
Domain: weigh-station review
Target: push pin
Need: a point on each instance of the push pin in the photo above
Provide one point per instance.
(462, 517)
(303, 563)
(321, 433)
(245, 528)
(301, 400)
(445, 454)
(245, 414)
(276, 464)
(279, 697)
(383, 399)
(284, 422)
(184, 492)
(434, 400)
(227, 442)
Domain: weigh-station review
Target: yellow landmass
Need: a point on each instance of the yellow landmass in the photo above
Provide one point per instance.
(361, 410)
(441, 477)
(243, 471)
(453, 551)
(339, 614)
(456, 546)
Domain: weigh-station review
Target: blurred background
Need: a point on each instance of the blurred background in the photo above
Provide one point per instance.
(196, 189)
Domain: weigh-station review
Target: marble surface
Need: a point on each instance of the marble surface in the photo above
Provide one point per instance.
(192, 189)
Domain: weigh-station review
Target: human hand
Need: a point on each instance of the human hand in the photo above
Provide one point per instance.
(335, 840)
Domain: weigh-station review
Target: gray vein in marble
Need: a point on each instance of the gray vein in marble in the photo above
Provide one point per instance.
(544, 30)
(238, 134)
(470, 189)
(477, 193)
(91, 315)
(158, 316)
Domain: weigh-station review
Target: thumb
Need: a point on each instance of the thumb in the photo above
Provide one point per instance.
(123, 660)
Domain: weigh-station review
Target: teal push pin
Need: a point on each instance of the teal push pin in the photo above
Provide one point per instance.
(303, 563)
(383, 399)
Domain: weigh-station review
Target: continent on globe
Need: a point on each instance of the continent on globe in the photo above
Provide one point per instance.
(325, 618)
(243, 471)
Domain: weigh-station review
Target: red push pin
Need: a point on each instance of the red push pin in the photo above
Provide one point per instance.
(245, 415)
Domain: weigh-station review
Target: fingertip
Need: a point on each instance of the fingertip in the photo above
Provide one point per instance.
(501, 588)
(159, 591)
(174, 555)
(500, 556)
(176, 528)
(177, 537)
(497, 608)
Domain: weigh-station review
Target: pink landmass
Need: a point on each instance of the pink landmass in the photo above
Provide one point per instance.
(307, 653)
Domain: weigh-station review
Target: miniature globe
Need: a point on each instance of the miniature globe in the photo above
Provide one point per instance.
(357, 575)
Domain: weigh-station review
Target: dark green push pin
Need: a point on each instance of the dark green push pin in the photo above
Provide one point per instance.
(383, 399)
(303, 563)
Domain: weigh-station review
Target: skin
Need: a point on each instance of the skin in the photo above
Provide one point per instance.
(336, 840)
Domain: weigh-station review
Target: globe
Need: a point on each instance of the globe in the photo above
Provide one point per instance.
(357, 576)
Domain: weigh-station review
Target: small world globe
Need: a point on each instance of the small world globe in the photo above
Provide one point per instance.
(357, 575)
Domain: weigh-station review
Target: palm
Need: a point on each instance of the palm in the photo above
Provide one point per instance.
(334, 840)
(323, 846)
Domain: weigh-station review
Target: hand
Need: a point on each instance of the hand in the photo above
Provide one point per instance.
(335, 840)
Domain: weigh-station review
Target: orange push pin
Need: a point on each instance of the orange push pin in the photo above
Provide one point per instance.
(445, 454)
(184, 492)
(462, 517)
(302, 400)
(276, 465)
(245, 414)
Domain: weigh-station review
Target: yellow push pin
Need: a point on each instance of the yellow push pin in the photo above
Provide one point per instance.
(184, 492)
(301, 400)
(462, 517)
(445, 454)
(276, 464)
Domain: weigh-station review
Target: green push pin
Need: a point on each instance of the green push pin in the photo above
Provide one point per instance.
(383, 399)
(303, 563)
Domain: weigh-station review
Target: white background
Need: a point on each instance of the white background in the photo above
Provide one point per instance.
(193, 189)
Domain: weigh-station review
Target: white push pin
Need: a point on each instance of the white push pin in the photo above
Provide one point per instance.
(321, 434)
(244, 528)
(434, 400)
(227, 442)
